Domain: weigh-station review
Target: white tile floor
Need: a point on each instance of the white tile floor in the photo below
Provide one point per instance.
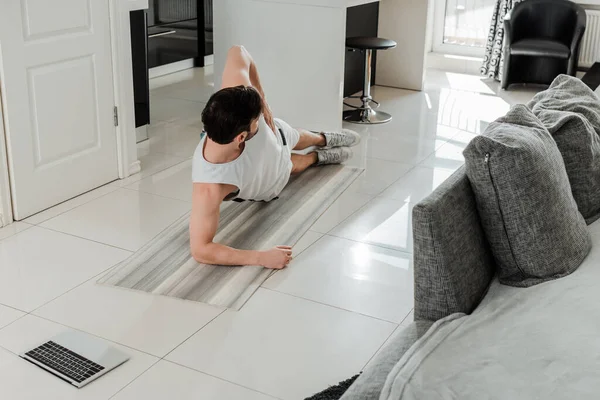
(316, 323)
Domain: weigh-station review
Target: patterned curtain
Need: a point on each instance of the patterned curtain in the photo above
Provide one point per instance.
(494, 56)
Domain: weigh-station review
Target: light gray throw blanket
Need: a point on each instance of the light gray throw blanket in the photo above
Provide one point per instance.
(541, 342)
(571, 113)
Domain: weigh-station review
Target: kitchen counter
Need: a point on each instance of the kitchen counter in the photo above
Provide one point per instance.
(299, 48)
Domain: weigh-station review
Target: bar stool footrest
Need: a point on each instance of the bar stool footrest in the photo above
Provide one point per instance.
(366, 116)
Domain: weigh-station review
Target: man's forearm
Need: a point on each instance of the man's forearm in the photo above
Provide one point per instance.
(255, 79)
(218, 254)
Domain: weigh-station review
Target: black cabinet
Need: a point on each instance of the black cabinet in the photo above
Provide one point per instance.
(175, 33)
(139, 55)
(360, 21)
(167, 32)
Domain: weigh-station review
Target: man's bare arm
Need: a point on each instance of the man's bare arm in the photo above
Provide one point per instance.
(240, 69)
(204, 222)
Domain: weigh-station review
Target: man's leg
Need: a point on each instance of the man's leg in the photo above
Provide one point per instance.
(338, 155)
(309, 139)
(301, 162)
(346, 138)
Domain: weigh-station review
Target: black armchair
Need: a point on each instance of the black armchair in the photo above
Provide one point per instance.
(541, 41)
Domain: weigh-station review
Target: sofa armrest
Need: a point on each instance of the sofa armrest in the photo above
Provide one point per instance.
(453, 265)
(580, 26)
(508, 28)
(369, 384)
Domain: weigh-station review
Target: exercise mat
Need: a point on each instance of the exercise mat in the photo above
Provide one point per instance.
(164, 266)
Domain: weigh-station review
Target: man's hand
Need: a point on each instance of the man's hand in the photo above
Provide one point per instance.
(268, 115)
(276, 258)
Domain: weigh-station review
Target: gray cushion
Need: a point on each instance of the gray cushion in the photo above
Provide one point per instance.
(525, 202)
(369, 384)
(571, 113)
(453, 265)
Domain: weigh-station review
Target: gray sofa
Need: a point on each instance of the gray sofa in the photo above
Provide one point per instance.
(452, 273)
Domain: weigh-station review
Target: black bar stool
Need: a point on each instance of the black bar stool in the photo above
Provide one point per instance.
(365, 114)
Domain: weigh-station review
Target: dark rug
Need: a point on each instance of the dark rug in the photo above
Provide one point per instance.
(334, 392)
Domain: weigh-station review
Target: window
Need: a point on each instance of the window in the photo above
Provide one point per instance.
(462, 26)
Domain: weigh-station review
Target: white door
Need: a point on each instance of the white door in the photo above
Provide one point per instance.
(57, 84)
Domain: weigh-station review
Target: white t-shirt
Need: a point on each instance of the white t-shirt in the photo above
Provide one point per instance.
(260, 172)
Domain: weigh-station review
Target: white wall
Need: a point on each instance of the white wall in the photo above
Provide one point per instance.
(429, 31)
(404, 21)
(301, 64)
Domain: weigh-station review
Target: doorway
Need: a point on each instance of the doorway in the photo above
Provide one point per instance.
(180, 80)
(58, 101)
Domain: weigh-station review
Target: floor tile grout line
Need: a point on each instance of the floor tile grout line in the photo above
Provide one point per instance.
(138, 175)
(220, 378)
(413, 166)
(172, 97)
(402, 326)
(12, 322)
(194, 334)
(407, 315)
(12, 307)
(368, 244)
(361, 207)
(189, 122)
(376, 196)
(71, 209)
(331, 306)
(29, 226)
(134, 379)
(79, 330)
(163, 153)
(373, 196)
(336, 199)
(156, 194)
(380, 347)
(420, 160)
(88, 239)
(379, 245)
(95, 277)
(98, 336)
(297, 255)
(344, 219)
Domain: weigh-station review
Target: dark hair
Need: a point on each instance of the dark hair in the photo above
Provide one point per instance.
(230, 111)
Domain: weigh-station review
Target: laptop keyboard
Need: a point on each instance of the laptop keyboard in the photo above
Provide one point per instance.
(65, 361)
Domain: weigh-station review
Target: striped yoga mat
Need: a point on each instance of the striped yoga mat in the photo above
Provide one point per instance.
(164, 266)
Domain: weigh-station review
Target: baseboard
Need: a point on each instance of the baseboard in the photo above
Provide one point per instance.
(141, 133)
(135, 167)
(170, 68)
(453, 63)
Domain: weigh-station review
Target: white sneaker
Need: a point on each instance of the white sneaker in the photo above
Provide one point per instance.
(336, 155)
(345, 138)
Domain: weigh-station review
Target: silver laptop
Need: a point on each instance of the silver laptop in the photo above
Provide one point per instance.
(75, 357)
